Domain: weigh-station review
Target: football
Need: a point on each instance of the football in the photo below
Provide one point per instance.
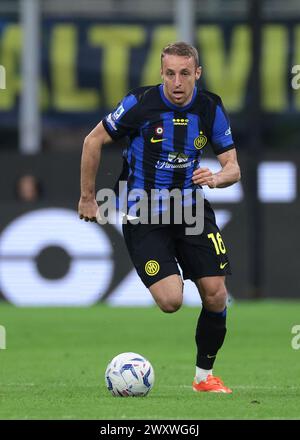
(129, 374)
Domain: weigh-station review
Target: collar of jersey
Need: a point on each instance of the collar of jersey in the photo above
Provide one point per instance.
(173, 106)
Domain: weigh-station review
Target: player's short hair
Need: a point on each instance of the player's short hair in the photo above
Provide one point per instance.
(181, 49)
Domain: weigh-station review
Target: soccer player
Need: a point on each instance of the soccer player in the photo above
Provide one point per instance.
(169, 126)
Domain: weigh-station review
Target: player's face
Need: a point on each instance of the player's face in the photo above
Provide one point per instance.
(179, 76)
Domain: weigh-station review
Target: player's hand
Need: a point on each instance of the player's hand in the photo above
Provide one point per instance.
(87, 209)
(204, 176)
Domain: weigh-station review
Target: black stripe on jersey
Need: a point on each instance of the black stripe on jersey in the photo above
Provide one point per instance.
(150, 159)
(180, 139)
(131, 177)
(149, 169)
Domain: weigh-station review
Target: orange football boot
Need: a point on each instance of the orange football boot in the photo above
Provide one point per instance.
(212, 384)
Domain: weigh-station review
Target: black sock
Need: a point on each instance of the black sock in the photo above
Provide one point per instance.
(210, 335)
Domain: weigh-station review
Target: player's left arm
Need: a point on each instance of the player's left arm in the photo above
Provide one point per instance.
(223, 146)
(228, 175)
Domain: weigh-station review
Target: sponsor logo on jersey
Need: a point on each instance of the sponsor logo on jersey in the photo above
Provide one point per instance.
(158, 132)
(120, 110)
(228, 131)
(200, 141)
(177, 157)
(152, 267)
(154, 141)
(175, 160)
(110, 121)
(165, 164)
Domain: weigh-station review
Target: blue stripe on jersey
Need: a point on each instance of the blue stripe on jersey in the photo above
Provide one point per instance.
(221, 132)
(136, 174)
(114, 119)
(127, 103)
(129, 158)
(137, 152)
(193, 130)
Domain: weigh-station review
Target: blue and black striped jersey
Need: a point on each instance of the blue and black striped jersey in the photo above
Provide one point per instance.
(166, 141)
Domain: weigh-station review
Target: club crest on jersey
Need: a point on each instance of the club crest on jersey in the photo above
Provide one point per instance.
(200, 141)
(159, 131)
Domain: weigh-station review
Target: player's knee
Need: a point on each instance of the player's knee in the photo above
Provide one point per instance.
(168, 295)
(170, 306)
(216, 298)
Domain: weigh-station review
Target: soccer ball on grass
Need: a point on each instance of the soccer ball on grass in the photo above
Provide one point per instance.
(129, 374)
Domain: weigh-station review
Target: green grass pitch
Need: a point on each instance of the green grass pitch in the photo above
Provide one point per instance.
(54, 363)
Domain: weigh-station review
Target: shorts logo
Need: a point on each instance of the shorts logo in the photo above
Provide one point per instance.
(200, 141)
(152, 268)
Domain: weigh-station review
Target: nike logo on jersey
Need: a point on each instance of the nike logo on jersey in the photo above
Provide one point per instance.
(222, 265)
(153, 141)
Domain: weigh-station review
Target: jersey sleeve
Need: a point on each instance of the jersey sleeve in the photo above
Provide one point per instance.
(221, 137)
(124, 119)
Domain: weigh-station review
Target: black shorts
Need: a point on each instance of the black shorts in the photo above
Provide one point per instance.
(155, 250)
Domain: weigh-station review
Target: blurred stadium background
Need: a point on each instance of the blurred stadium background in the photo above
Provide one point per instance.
(65, 68)
(63, 65)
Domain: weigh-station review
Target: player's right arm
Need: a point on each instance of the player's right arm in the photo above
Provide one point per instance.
(90, 159)
(123, 121)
